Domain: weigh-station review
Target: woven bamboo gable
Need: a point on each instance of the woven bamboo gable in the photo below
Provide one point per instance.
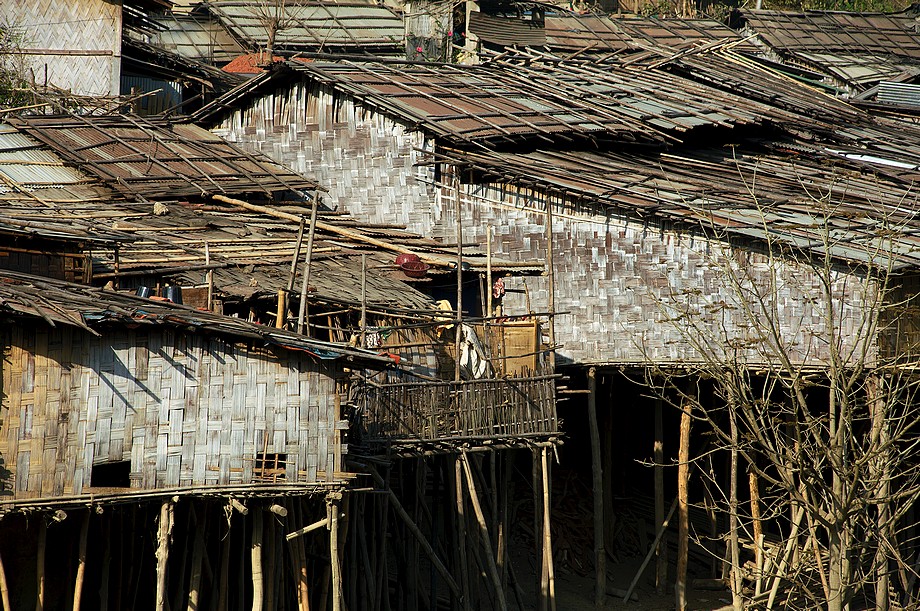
(73, 44)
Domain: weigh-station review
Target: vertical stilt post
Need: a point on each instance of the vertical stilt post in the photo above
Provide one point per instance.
(683, 525)
(332, 504)
(597, 481)
(661, 553)
(536, 475)
(303, 316)
(484, 532)
(194, 588)
(164, 532)
(547, 537)
(256, 556)
(81, 561)
(40, 564)
(461, 534)
(4, 588)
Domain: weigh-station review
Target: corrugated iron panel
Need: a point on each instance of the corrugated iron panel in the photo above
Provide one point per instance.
(507, 32)
(903, 94)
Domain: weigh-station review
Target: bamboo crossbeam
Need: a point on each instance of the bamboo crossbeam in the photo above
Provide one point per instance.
(308, 529)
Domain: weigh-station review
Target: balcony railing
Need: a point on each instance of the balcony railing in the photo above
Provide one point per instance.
(505, 407)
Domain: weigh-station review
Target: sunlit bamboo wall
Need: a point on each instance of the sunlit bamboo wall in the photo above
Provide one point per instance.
(183, 408)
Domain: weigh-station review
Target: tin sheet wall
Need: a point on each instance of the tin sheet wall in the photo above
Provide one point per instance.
(182, 408)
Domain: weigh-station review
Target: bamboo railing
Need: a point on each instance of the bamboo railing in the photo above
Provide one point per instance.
(487, 408)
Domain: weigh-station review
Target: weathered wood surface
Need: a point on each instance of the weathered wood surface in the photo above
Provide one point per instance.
(183, 409)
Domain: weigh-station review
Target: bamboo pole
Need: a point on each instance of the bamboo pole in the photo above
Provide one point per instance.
(458, 331)
(164, 531)
(536, 478)
(661, 551)
(282, 309)
(40, 564)
(194, 588)
(363, 301)
(461, 534)
(81, 561)
(256, 554)
(488, 270)
(683, 524)
(335, 559)
(342, 231)
(4, 588)
(303, 317)
(484, 532)
(210, 276)
(651, 552)
(223, 585)
(547, 536)
(597, 482)
(293, 273)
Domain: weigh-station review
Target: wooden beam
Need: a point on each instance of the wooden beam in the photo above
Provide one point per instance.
(683, 522)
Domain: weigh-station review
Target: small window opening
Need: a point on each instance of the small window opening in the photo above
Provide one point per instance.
(111, 475)
(270, 467)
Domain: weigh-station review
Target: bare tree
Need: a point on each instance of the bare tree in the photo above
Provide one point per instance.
(803, 370)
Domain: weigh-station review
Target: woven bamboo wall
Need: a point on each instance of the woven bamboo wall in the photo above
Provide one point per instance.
(78, 40)
(359, 155)
(611, 274)
(184, 409)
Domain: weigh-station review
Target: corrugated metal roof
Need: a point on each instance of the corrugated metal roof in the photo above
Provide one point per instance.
(83, 306)
(310, 25)
(196, 37)
(830, 31)
(903, 94)
(863, 190)
(505, 31)
(157, 159)
(504, 101)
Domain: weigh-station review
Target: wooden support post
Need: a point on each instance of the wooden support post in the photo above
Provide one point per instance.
(210, 277)
(459, 333)
(164, 532)
(194, 587)
(40, 564)
(683, 524)
(551, 285)
(661, 550)
(488, 272)
(81, 561)
(256, 554)
(303, 317)
(363, 301)
(661, 530)
(282, 309)
(484, 532)
(461, 534)
(223, 585)
(597, 480)
(547, 536)
(335, 560)
(4, 588)
(296, 257)
(536, 477)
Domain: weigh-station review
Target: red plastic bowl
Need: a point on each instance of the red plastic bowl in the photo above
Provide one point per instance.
(414, 269)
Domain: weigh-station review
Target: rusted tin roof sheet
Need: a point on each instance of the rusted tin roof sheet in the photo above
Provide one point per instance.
(505, 101)
(864, 183)
(156, 159)
(59, 302)
(829, 31)
(312, 25)
(197, 37)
